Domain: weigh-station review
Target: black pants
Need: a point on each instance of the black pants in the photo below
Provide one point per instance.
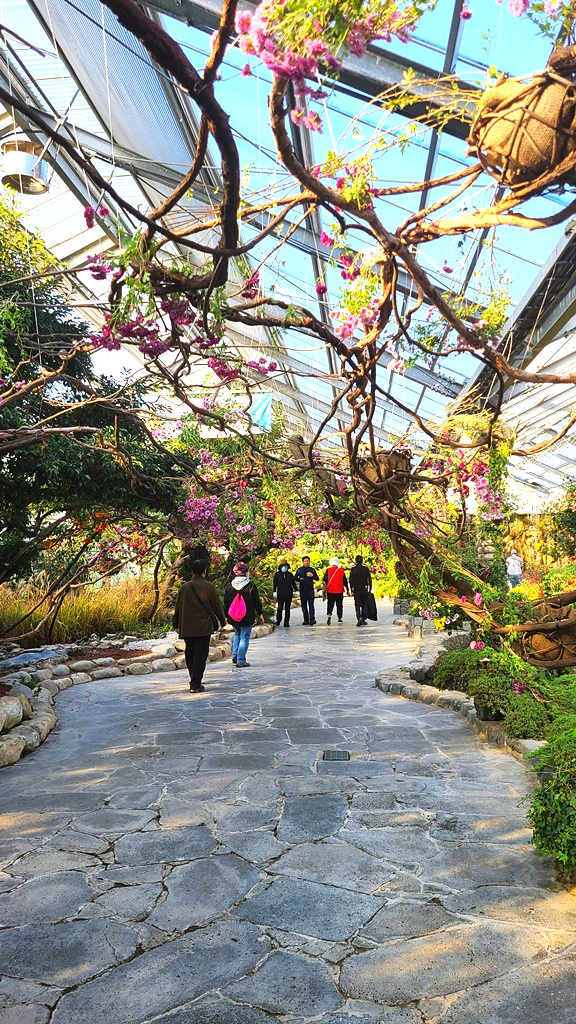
(360, 604)
(284, 604)
(307, 602)
(196, 654)
(335, 599)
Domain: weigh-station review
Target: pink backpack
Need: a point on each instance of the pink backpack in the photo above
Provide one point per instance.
(237, 609)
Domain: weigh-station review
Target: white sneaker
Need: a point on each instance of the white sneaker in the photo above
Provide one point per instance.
(328, 620)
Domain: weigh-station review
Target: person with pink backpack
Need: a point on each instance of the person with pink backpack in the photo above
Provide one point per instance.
(242, 604)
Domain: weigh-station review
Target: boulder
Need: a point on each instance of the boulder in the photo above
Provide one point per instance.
(63, 684)
(20, 689)
(163, 665)
(180, 661)
(164, 650)
(141, 659)
(24, 699)
(51, 685)
(42, 699)
(107, 672)
(43, 722)
(11, 748)
(41, 674)
(59, 671)
(180, 645)
(130, 639)
(14, 712)
(139, 668)
(104, 662)
(80, 677)
(29, 734)
(82, 666)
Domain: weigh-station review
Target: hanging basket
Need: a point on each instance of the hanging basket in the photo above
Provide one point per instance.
(525, 130)
(383, 478)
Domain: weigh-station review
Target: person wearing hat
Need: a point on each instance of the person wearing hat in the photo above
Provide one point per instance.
(284, 585)
(514, 566)
(198, 609)
(242, 604)
(335, 583)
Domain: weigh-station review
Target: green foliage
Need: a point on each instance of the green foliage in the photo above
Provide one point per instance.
(559, 579)
(552, 807)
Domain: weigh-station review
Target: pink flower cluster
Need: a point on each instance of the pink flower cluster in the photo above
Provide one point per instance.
(262, 364)
(251, 287)
(221, 368)
(98, 267)
(146, 333)
(262, 33)
(477, 645)
(178, 310)
(90, 214)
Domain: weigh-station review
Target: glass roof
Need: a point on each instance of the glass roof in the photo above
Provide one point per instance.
(99, 81)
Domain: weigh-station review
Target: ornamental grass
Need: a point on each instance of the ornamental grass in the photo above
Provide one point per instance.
(110, 607)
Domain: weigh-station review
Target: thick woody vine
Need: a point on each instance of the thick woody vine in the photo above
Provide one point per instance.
(176, 310)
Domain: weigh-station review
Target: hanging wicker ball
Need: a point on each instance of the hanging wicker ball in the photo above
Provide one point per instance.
(524, 130)
(382, 479)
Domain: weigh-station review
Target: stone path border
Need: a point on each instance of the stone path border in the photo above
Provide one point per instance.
(453, 700)
(26, 713)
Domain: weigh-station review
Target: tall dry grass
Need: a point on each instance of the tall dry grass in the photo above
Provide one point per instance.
(124, 606)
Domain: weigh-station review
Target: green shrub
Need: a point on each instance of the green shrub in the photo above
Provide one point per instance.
(552, 808)
(456, 669)
(559, 579)
(526, 718)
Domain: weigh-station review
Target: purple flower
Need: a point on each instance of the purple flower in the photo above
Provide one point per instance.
(89, 216)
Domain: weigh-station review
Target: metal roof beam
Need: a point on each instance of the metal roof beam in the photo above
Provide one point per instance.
(374, 73)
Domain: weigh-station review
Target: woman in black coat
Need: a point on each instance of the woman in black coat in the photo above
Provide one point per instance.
(284, 585)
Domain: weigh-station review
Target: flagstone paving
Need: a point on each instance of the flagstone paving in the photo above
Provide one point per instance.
(182, 859)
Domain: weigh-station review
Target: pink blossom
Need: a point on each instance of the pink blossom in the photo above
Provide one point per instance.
(321, 288)
(326, 240)
(246, 71)
(89, 216)
(518, 7)
(446, 268)
(243, 21)
(478, 599)
(103, 211)
(465, 14)
(313, 122)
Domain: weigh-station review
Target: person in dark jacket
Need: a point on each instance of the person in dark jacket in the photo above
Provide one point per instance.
(360, 584)
(284, 585)
(335, 583)
(305, 577)
(242, 586)
(196, 603)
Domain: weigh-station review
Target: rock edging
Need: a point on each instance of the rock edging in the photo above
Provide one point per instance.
(453, 700)
(27, 715)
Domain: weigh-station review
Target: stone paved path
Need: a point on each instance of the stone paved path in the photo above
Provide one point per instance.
(189, 860)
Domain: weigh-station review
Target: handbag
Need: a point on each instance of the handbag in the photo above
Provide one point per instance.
(211, 615)
(370, 610)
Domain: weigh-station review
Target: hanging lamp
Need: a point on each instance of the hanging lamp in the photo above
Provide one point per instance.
(22, 167)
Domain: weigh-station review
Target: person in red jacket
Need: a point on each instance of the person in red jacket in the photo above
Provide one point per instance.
(336, 583)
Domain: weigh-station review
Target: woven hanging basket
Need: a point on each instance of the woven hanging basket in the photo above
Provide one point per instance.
(524, 130)
(383, 479)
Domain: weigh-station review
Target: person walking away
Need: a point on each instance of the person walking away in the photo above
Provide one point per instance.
(306, 576)
(360, 584)
(197, 615)
(336, 583)
(284, 585)
(242, 604)
(514, 567)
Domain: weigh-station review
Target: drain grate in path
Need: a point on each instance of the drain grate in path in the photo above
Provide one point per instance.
(335, 755)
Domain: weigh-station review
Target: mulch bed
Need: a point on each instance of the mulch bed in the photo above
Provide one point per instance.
(111, 652)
